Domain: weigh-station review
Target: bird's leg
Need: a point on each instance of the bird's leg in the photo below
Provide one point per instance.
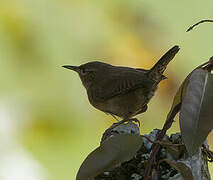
(135, 120)
(114, 117)
(123, 121)
(109, 130)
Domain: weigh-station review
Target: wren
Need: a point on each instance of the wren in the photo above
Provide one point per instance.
(122, 91)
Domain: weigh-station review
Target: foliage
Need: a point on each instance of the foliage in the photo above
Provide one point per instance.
(111, 152)
(194, 100)
(196, 110)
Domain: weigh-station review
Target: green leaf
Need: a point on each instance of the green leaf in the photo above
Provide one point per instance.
(182, 168)
(110, 153)
(196, 115)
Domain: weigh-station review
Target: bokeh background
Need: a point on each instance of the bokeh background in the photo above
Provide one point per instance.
(47, 126)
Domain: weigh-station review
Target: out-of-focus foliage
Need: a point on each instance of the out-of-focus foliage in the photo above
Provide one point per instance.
(55, 122)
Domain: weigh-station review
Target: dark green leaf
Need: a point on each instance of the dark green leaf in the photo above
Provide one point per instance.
(196, 115)
(111, 152)
(182, 168)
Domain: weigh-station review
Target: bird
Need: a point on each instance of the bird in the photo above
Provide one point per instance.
(122, 91)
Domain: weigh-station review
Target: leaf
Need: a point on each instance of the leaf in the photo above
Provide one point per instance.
(182, 168)
(176, 105)
(196, 115)
(110, 153)
(177, 99)
(176, 151)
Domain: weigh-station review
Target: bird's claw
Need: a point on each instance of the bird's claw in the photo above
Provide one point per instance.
(135, 120)
(108, 132)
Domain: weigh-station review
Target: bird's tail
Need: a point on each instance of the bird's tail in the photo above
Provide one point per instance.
(157, 70)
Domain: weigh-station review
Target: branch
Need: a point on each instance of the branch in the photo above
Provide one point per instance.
(202, 21)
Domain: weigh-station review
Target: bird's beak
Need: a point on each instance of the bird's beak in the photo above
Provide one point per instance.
(74, 68)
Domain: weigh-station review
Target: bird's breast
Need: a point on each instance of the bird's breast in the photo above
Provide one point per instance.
(123, 105)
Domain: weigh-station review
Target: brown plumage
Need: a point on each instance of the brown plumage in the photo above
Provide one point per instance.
(122, 91)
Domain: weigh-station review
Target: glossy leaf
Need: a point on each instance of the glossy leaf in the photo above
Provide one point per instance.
(182, 168)
(111, 152)
(196, 115)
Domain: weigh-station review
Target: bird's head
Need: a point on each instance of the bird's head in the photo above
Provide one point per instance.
(89, 72)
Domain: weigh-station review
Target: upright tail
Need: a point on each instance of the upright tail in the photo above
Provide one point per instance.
(157, 70)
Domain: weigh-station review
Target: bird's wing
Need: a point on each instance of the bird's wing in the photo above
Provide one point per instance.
(142, 70)
(146, 71)
(120, 83)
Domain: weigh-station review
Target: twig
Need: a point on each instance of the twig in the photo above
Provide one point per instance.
(160, 136)
(202, 21)
(209, 65)
(208, 153)
(160, 142)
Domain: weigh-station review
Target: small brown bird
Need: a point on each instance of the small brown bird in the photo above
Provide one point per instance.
(122, 91)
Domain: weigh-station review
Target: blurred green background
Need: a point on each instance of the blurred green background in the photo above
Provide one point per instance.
(48, 126)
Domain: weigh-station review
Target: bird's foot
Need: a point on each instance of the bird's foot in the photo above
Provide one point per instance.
(135, 120)
(114, 117)
(108, 132)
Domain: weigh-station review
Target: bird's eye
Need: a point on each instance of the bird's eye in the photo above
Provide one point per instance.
(83, 71)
